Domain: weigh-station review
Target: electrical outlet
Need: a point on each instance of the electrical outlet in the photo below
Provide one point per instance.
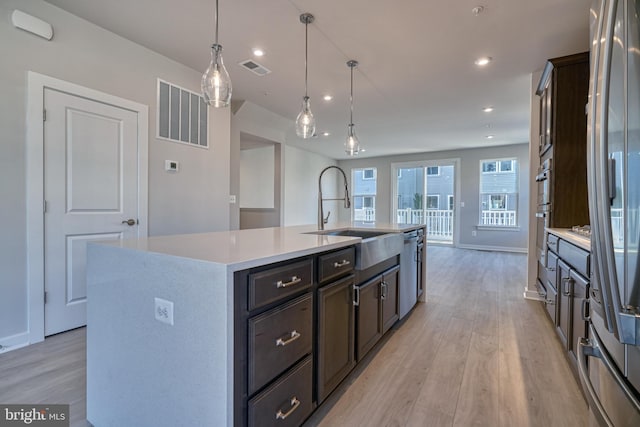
(232, 198)
(164, 311)
(462, 204)
(474, 233)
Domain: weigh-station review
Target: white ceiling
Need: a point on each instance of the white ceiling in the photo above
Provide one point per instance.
(416, 89)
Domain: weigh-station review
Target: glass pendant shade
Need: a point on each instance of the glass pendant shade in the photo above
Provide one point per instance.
(216, 84)
(305, 122)
(352, 145)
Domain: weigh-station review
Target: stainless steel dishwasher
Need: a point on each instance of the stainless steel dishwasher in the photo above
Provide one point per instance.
(409, 273)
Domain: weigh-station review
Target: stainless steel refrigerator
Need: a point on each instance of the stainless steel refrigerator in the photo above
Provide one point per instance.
(609, 358)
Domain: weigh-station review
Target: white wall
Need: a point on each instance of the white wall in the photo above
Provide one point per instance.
(193, 200)
(257, 176)
(469, 183)
(301, 171)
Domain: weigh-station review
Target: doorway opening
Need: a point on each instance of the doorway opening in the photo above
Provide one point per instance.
(425, 193)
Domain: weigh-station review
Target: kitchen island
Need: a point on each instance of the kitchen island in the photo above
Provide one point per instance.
(163, 319)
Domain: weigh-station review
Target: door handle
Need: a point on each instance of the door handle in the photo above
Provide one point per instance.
(130, 222)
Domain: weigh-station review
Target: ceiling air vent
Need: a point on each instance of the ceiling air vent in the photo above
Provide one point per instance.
(254, 67)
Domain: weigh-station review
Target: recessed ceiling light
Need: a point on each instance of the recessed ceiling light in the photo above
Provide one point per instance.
(477, 10)
(489, 136)
(258, 52)
(325, 134)
(481, 62)
(327, 97)
(487, 109)
(362, 150)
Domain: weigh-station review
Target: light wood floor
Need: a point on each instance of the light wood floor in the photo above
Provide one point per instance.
(476, 354)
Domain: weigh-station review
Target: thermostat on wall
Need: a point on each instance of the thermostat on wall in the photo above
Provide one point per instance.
(171, 166)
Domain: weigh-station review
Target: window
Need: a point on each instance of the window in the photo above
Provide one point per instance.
(500, 166)
(450, 201)
(364, 183)
(182, 115)
(433, 170)
(368, 174)
(499, 192)
(433, 201)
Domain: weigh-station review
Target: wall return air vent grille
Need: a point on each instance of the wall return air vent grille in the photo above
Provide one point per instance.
(254, 67)
(182, 115)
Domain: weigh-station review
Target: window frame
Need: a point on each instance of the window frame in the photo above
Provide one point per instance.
(432, 174)
(426, 202)
(374, 174)
(508, 196)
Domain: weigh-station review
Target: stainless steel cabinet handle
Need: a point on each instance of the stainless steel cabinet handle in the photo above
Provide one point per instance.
(130, 222)
(550, 302)
(550, 269)
(291, 337)
(566, 280)
(383, 290)
(294, 405)
(341, 263)
(585, 310)
(356, 294)
(294, 281)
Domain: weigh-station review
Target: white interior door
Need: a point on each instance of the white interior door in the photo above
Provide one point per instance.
(91, 190)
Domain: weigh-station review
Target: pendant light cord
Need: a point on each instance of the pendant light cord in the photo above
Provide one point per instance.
(351, 97)
(306, 52)
(216, 20)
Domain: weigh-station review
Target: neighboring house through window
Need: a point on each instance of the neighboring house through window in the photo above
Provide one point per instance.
(433, 170)
(499, 192)
(364, 183)
(433, 201)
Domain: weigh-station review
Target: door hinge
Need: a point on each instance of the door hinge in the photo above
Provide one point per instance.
(44, 207)
(45, 297)
(44, 115)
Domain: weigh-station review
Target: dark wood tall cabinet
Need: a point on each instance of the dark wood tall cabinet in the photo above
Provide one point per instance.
(563, 91)
(562, 176)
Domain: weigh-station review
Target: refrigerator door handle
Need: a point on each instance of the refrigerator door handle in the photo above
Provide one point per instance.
(611, 168)
(592, 347)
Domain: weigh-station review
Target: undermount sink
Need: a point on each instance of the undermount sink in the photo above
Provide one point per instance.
(375, 246)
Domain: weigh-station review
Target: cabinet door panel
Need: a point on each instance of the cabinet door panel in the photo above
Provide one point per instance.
(390, 308)
(578, 324)
(369, 324)
(336, 329)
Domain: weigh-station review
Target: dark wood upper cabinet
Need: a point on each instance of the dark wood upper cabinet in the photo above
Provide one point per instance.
(563, 91)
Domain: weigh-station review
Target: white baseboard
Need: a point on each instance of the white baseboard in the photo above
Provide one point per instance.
(494, 248)
(532, 295)
(14, 342)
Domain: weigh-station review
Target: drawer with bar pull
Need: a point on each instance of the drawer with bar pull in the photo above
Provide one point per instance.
(277, 339)
(288, 402)
(274, 284)
(336, 264)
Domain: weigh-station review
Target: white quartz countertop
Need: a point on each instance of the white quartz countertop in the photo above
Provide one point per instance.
(571, 237)
(240, 249)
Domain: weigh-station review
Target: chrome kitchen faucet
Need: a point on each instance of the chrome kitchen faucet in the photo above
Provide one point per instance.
(347, 203)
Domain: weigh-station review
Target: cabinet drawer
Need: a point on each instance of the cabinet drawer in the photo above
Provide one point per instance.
(552, 242)
(287, 402)
(575, 257)
(276, 283)
(336, 264)
(277, 339)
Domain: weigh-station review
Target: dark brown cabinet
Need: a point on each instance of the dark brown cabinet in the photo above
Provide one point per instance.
(377, 309)
(562, 177)
(369, 325)
(572, 300)
(389, 298)
(336, 330)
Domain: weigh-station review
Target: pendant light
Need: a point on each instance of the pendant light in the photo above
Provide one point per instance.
(305, 122)
(216, 84)
(352, 145)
